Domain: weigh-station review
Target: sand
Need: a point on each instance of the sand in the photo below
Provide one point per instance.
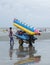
(12, 57)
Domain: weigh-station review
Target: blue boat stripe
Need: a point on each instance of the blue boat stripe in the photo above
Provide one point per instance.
(23, 25)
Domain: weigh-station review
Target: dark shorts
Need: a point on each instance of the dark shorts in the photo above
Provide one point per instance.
(11, 38)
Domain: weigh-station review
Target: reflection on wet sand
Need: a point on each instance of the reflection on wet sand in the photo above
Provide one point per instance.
(10, 53)
(27, 51)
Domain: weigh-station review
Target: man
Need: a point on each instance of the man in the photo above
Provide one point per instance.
(11, 37)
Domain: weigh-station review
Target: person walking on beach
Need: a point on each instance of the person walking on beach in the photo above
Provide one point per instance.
(11, 38)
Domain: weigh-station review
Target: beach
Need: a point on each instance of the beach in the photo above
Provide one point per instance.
(24, 32)
(12, 57)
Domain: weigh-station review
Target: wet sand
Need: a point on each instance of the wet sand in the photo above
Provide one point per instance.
(19, 54)
(12, 57)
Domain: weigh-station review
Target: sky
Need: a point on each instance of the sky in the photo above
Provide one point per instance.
(32, 12)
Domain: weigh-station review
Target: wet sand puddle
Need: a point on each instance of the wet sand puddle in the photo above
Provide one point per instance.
(18, 55)
(37, 54)
(25, 55)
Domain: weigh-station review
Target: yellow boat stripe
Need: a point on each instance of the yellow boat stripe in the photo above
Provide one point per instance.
(24, 29)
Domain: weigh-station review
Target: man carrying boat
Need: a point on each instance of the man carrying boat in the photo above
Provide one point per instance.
(11, 37)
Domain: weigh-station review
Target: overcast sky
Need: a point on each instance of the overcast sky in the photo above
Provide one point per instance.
(32, 12)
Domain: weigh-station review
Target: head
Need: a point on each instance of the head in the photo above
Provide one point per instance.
(10, 28)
